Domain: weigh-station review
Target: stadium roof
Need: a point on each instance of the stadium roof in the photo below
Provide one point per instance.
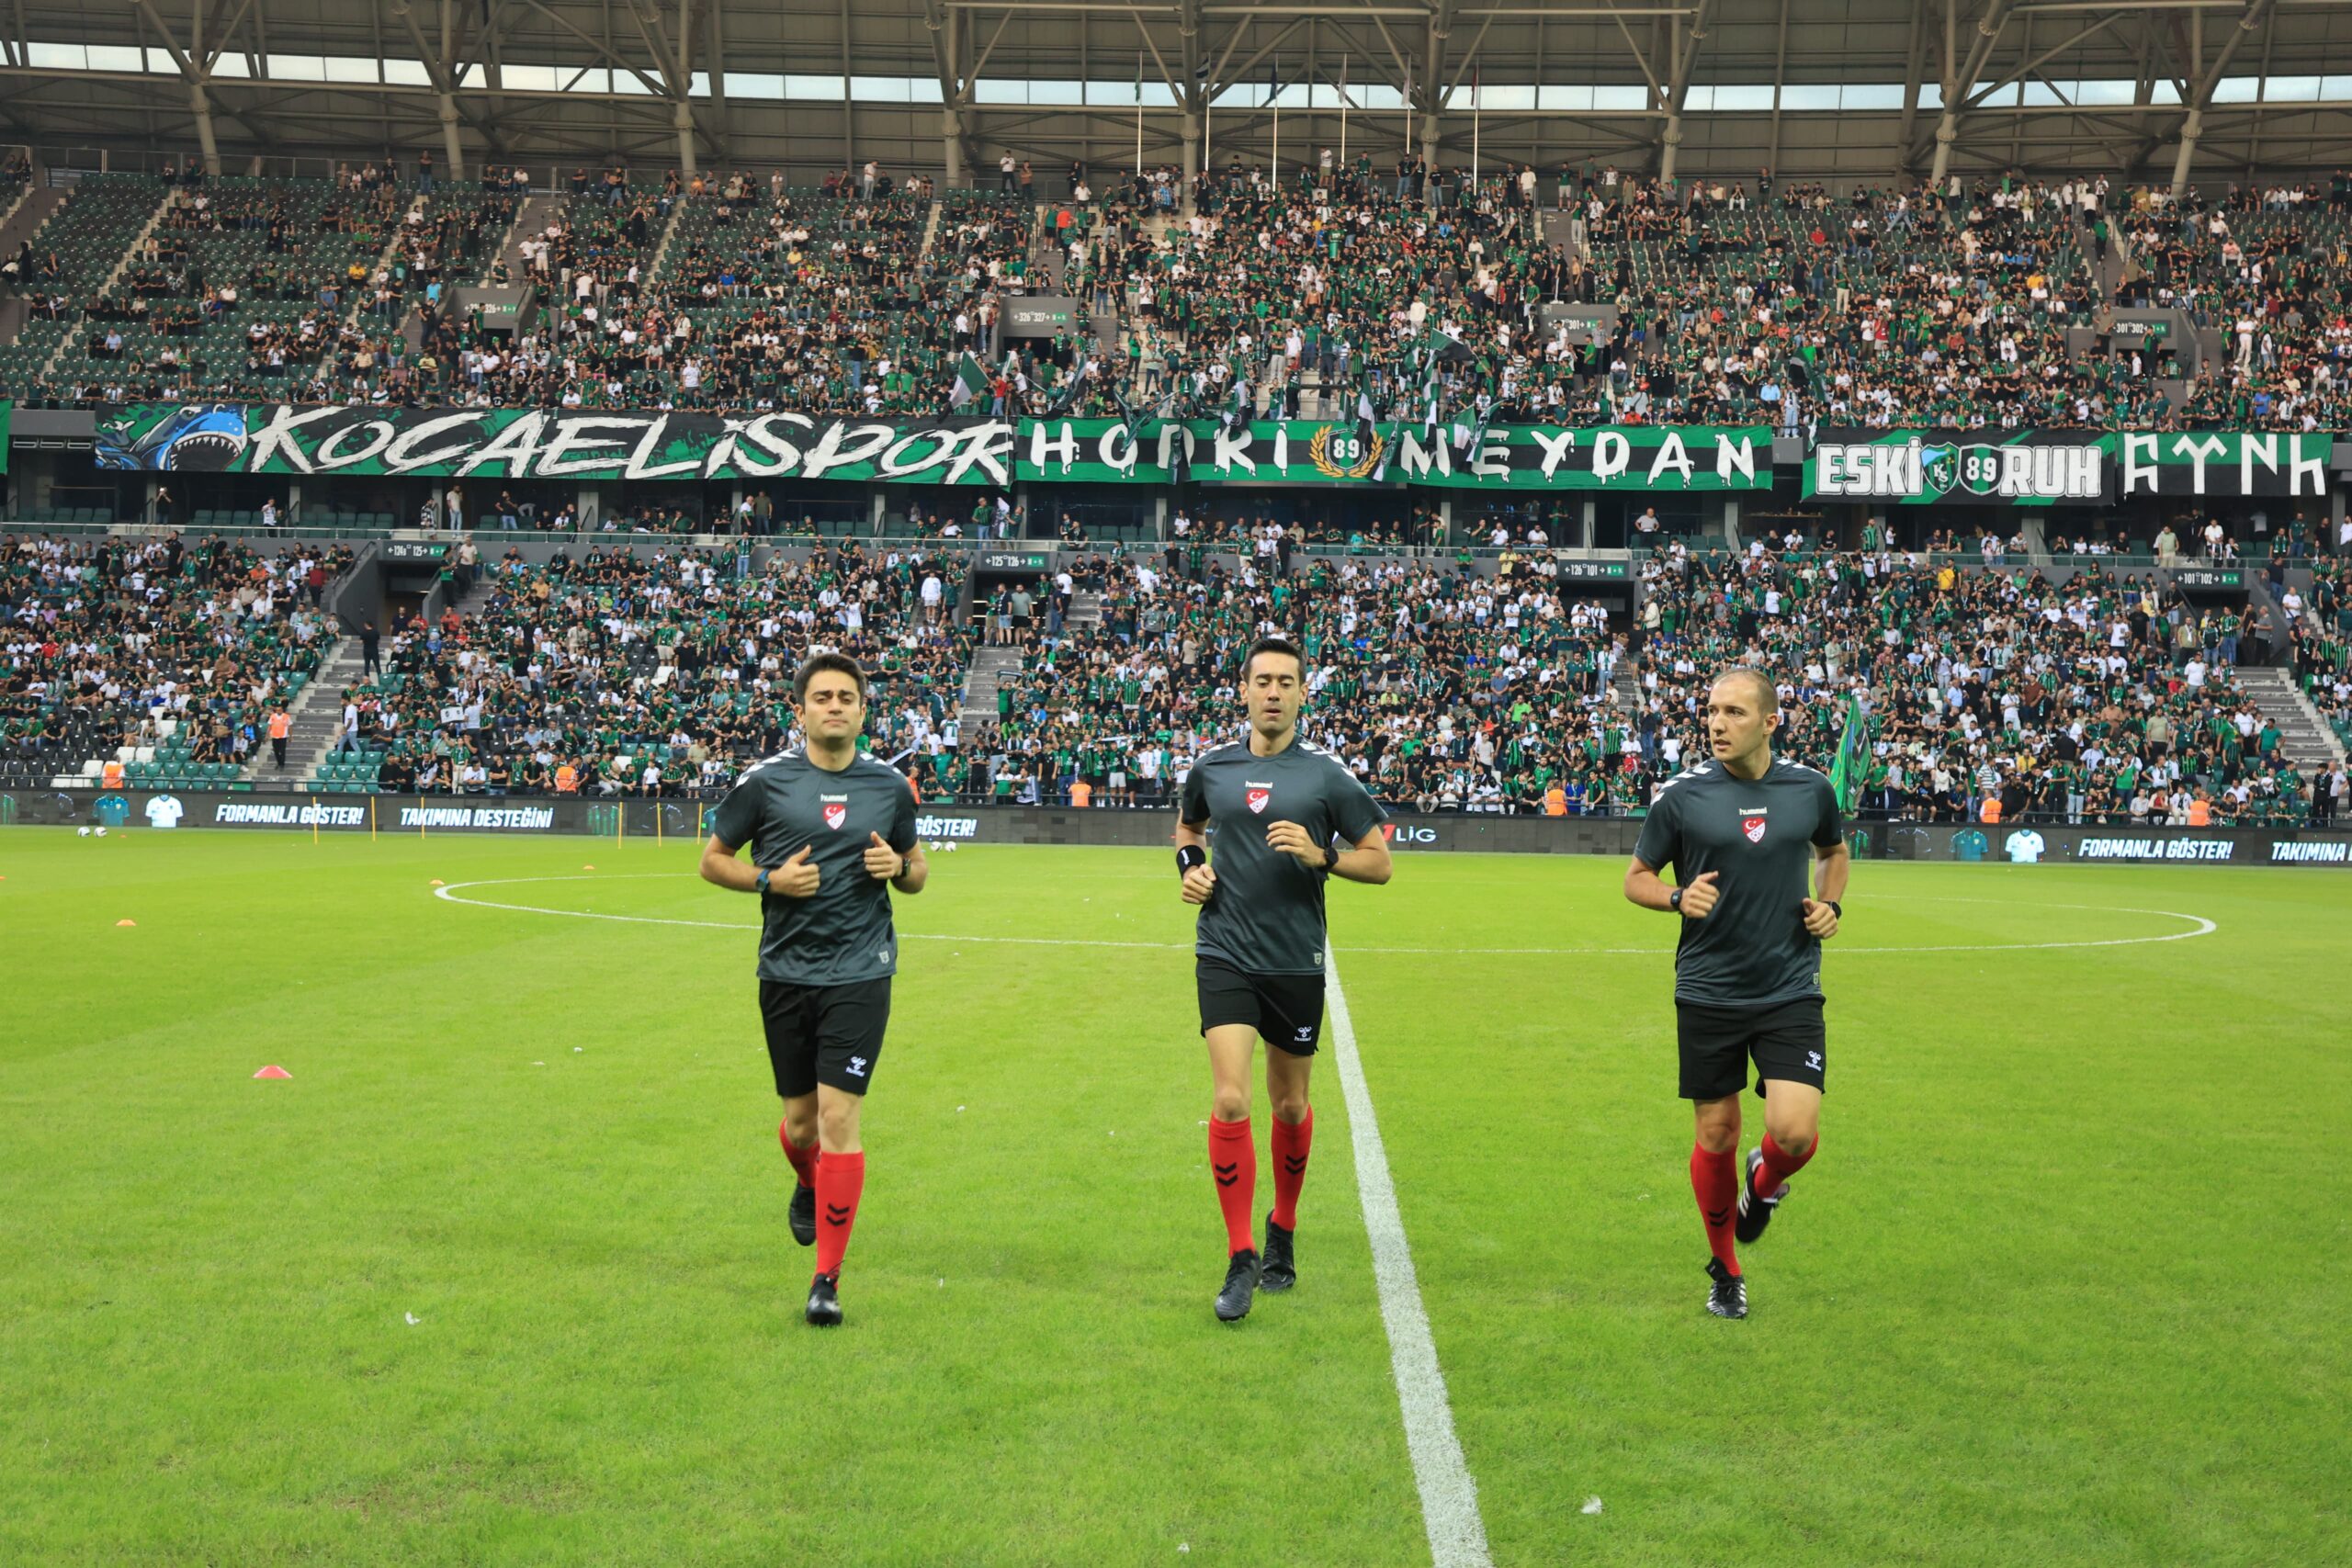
(1852, 90)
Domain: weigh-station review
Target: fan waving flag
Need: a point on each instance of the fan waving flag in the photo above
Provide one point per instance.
(971, 381)
(1846, 773)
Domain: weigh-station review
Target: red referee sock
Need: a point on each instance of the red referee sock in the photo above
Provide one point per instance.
(1714, 1178)
(840, 1180)
(1292, 1144)
(1779, 1165)
(804, 1161)
(1233, 1160)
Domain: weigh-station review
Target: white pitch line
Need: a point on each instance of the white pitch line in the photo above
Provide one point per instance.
(1449, 1492)
(2198, 926)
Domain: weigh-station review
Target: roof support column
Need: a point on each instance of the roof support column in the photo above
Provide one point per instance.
(2256, 13)
(1989, 31)
(198, 102)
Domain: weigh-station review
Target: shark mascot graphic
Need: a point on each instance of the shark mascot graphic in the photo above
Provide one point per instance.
(194, 437)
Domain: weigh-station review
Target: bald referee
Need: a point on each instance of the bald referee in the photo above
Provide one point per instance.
(1290, 817)
(1742, 831)
(832, 831)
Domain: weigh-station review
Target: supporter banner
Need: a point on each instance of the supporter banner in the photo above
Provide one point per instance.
(2209, 462)
(1919, 468)
(550, 444)
(1518, 457)
(2046, 467)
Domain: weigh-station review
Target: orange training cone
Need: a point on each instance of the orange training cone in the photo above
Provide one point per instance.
(126, 922)
(438, 882)
(272, 1072)
(587, 868)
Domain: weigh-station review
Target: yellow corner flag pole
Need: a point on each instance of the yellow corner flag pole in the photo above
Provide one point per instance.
(314, 818)
(371, 819)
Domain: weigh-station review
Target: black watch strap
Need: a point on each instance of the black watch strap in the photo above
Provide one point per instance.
(1674, 899)
(1836, 908)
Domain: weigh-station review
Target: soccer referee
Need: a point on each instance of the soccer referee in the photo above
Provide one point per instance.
(1260, 943)
(1740, 831)
(832, 831)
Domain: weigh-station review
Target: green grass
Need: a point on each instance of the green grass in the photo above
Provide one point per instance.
(2065, 1285)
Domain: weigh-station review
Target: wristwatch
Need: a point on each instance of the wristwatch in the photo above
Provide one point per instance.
(1836, 908)
(761, 884)
(1674, 899)
(1330, 858)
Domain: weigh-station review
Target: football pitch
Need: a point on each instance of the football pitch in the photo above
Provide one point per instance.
(501, 1273)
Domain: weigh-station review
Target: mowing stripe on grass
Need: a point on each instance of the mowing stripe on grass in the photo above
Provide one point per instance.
(1449, 1493)
(2198, 926)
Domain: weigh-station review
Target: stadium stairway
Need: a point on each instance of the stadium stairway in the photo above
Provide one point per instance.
(2303, 736)
(318, 716)
(930, 229)
(990, 666)
(32, 209)
(383, 261)
(529, 220)
(122, 265)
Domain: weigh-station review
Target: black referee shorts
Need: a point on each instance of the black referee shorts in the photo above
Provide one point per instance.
(1786, 1041)
(1285, 1010)
(828, 1034)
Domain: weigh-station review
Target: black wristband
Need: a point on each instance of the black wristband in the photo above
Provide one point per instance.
(1835, 908)
(1330, 858)
(1674, 901)
(1188, 856)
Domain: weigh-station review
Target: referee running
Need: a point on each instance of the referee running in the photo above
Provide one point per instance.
(1740, 831)
(832, 831)
(1259, 944)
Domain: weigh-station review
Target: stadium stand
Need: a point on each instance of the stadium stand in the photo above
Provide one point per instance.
(1726, 301)
(647, 671)
(152, 660)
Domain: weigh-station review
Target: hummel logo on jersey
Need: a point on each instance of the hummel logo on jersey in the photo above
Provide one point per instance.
(1754, 828)
(857, 1067)
(1258, 795)
(835, 816)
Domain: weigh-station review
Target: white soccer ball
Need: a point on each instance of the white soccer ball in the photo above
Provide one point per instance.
(951, 846)
(80, 832)
(102, 832)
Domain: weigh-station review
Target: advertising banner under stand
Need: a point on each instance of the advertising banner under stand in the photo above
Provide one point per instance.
(2014, 843)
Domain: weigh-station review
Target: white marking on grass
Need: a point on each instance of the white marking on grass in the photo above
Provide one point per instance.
(1449, 1493)
(2198, 926)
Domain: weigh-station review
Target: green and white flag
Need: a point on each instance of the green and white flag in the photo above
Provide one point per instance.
(971, 381)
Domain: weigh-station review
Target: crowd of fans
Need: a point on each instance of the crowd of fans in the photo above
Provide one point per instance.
(653, 672)
(152, 643)
(1330, 290)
